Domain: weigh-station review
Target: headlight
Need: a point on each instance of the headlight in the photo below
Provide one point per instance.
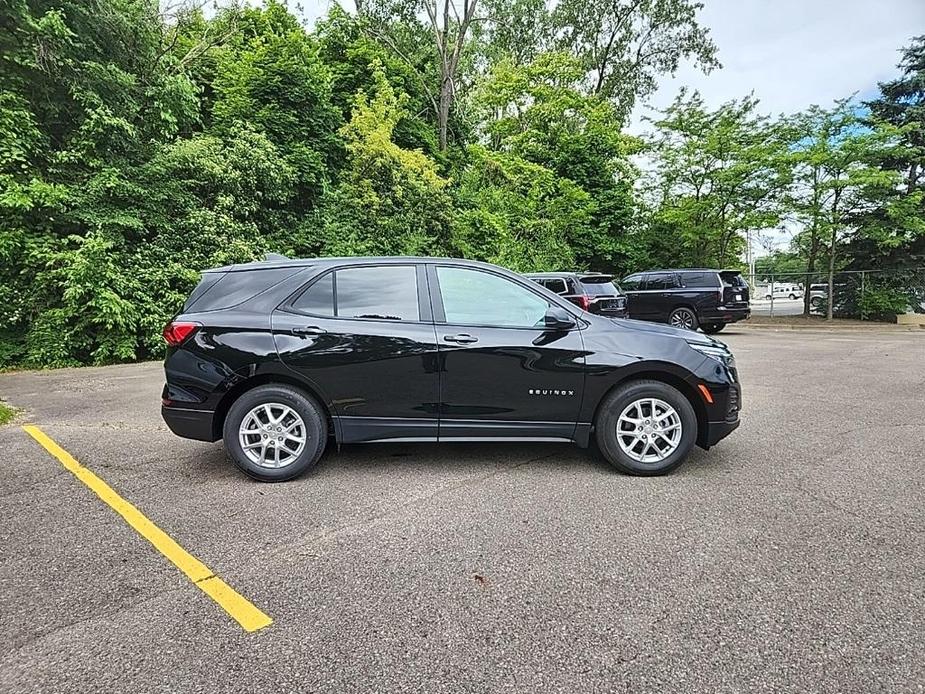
(720, 353)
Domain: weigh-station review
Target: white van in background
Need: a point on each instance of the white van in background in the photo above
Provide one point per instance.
(781, 291)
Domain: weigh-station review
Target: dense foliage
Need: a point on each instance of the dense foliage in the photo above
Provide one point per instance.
(140, 145)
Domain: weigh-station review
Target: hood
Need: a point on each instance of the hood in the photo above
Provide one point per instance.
(667, 331)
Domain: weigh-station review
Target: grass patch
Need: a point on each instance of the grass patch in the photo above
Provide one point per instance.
(6, 413)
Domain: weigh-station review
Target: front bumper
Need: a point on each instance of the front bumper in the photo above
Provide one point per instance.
(717, 431)
(190, 424)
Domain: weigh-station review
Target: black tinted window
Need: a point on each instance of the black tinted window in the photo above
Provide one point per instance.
(699, 279)
(318, 299)
(209, 279)
(555, 285)
(389, 292)
(599, 288)
(237, 287)
(632, 283)
(733, 279)
(661, 281)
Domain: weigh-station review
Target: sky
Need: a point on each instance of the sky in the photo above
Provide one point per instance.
(790, 53)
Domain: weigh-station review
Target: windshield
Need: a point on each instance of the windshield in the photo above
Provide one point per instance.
(600, 287)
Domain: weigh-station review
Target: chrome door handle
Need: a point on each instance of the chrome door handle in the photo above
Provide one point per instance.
(462, 338)
(308, 330)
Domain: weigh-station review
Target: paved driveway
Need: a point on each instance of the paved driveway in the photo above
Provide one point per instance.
(791, 557)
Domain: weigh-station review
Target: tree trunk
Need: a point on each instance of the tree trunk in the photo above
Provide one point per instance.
(810, 269)
(443, 113)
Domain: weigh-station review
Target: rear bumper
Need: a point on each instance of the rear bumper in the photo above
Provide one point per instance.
(717, 431)
(190, 424)
(725, 315)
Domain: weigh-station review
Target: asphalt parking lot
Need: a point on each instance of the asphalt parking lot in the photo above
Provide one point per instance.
(790, 558)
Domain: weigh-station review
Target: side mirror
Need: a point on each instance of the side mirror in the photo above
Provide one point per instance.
(557, 318)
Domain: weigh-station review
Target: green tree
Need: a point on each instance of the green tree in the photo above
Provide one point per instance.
(447, 24)
(714, 176)
(389, 201)
(274, 80)
(517, 213)
(626, 44)
(834, 180)
(539, 112)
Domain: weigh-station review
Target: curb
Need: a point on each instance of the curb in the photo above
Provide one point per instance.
(885, 327)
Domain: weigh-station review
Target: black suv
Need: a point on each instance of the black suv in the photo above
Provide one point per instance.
(275, 357)
(592, 291)
(690, 298)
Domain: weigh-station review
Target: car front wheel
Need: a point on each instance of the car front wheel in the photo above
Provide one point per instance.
(646, 428)
(275, 432)
(683, 318)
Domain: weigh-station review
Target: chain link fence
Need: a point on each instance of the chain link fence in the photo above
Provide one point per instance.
(876, 295)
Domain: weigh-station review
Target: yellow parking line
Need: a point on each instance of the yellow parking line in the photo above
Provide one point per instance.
(236, 605)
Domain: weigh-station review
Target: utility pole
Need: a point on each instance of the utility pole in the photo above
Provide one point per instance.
(750, 259)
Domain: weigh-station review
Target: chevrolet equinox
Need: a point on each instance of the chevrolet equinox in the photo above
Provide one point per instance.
(275, 357)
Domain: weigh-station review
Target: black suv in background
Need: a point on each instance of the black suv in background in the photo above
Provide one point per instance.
(592, 291)
(275, 357)
(689, 298)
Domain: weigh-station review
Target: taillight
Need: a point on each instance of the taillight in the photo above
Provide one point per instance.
(176, 332)
(584, 302)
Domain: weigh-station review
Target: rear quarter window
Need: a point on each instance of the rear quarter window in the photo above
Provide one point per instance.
(233, 288)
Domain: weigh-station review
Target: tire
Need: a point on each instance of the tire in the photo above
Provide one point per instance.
(793, 297)
(294, 458)
(815, 302)
(712, 328)
(622, 399)
(683, 318)
(767, 297)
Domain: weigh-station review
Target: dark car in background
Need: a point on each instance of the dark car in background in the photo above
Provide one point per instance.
(688, 298)
(277, 357)
(593, 291)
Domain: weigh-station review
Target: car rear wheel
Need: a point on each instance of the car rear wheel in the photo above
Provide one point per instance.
(275, 432)
(683, 318)
(712, 328)
(646, 428)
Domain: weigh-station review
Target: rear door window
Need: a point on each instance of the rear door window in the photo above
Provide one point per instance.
(661, 281)
(386, 293)
(318, 299)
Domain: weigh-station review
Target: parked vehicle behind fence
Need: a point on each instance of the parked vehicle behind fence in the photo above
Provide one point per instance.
(781, 291)
(688, 298)
(275, 357)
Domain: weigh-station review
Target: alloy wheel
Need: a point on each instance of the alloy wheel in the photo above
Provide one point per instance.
(682, 318)
(272, 435)
(649, 430)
